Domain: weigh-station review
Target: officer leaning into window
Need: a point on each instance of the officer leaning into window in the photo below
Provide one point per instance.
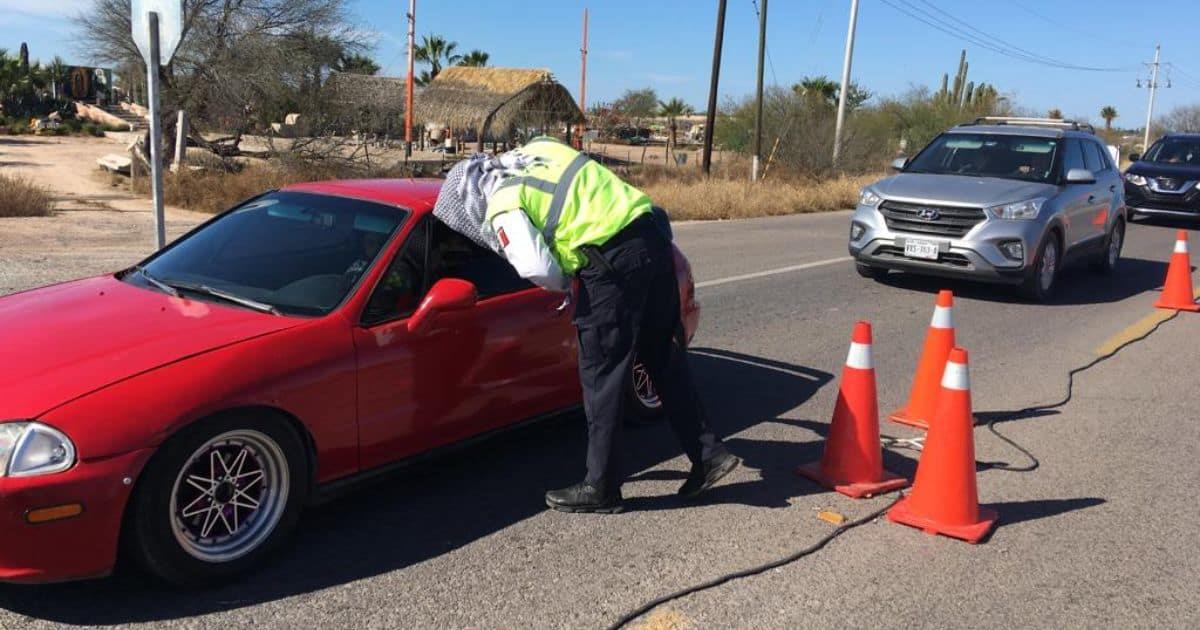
(553, 213)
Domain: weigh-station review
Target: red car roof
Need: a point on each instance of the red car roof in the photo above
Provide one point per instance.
(417, 195)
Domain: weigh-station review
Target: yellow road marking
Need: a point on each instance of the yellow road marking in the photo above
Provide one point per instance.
(1137, 329)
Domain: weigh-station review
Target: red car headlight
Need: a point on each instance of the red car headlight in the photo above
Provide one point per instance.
(28, 449)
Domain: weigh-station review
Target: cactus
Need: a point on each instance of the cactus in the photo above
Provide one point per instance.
(970, 93)
(960, 79)
(943, 94)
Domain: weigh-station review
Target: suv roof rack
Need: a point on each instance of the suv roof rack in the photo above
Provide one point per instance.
(1032, 122)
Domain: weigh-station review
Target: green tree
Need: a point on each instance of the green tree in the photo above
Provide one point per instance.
(438, 53)
(672, 110)
(356, 63)
(476, 58)
(57, 74)
(1108, 113)
(637, 105)
(819, 89)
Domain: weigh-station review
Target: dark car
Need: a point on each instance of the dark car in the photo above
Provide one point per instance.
(1166, 180)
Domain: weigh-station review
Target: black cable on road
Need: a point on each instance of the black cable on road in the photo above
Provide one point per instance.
(821, 544)
(1013, 415)
(762, 568)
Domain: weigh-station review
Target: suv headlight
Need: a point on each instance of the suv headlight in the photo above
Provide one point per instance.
(867, 197)
(31, 448)
(1028, 209)
(1135, 179)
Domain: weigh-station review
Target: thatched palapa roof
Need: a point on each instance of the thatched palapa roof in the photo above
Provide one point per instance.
(365, 90)
(495, 99)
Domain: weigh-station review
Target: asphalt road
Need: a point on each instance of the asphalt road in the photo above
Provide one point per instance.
(1102, 534)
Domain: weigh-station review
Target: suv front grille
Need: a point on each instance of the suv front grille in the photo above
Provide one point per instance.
(942, 221)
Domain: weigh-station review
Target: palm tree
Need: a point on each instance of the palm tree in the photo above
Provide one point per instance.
(356, 64)
(57, 73)
(476, 58)
(672, 110)
(820, 89)
(434, 50)
(1108, 113)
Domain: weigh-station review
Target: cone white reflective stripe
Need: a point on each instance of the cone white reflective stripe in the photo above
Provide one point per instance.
(943, 317)
(956, 377)
(1181, 246)
(860, 356)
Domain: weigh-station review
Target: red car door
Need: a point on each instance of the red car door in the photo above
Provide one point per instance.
(508, 358)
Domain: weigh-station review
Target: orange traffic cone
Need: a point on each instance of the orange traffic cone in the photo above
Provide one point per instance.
(1177, 291)
(922, 402)
(944, 499)
(853, 460)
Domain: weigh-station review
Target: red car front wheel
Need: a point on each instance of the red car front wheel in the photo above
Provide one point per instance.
(217, 497)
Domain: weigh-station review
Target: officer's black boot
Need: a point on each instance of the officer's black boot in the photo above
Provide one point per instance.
(704, 475)
(582, 497)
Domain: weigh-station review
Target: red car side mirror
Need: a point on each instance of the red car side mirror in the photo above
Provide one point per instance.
(447, 295)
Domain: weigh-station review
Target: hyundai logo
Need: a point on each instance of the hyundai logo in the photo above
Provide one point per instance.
(929, 214)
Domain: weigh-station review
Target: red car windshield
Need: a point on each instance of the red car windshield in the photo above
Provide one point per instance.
(297, 253)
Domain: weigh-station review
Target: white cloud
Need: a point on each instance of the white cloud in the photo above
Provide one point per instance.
(668, 78)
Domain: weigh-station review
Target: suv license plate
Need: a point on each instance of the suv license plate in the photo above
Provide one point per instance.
(926, 250)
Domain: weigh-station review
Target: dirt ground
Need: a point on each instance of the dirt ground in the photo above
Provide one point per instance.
(97, 226)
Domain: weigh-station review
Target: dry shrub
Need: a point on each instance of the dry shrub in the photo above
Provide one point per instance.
(215, 190)
(730, 194)
(20, 197)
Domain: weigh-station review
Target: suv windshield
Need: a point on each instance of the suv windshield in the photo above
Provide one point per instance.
(297, 252)
(1026, 158)
(1174, 151)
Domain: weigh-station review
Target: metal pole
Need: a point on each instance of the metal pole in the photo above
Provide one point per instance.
(1150, 107)
(842, 94)
(758, 105)
(710, 116)
(583, 79)
(156, 176)
(408, 86)
(181, 136)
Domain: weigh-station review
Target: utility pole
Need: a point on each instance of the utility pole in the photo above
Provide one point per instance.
(758, 98)
(710, 116)
(1150, 108)
(408, 86)
(583, 53)
(844, 92)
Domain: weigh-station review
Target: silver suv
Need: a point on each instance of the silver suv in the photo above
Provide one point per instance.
(1007, 200)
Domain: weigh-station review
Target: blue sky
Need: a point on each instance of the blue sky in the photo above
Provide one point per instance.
(667, 44)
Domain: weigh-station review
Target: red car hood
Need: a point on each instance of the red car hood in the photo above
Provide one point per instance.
(64, 341)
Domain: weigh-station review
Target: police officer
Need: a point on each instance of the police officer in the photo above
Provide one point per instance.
(555, 214)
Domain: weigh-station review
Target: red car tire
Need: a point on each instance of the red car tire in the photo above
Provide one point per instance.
(217, 498)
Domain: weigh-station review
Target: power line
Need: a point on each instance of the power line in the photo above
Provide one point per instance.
(770, 62)
(995, 44)
(1068, 27)
(1032, 55)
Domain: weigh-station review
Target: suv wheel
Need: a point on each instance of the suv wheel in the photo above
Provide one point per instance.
(1106, 262)
(1039, 285)
(867, 271)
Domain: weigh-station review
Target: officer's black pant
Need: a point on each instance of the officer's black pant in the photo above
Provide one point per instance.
(627, 303)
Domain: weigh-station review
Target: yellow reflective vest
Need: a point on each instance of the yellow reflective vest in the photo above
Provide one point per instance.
(570, 199)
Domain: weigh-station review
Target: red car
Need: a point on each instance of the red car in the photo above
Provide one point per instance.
(192, 405)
